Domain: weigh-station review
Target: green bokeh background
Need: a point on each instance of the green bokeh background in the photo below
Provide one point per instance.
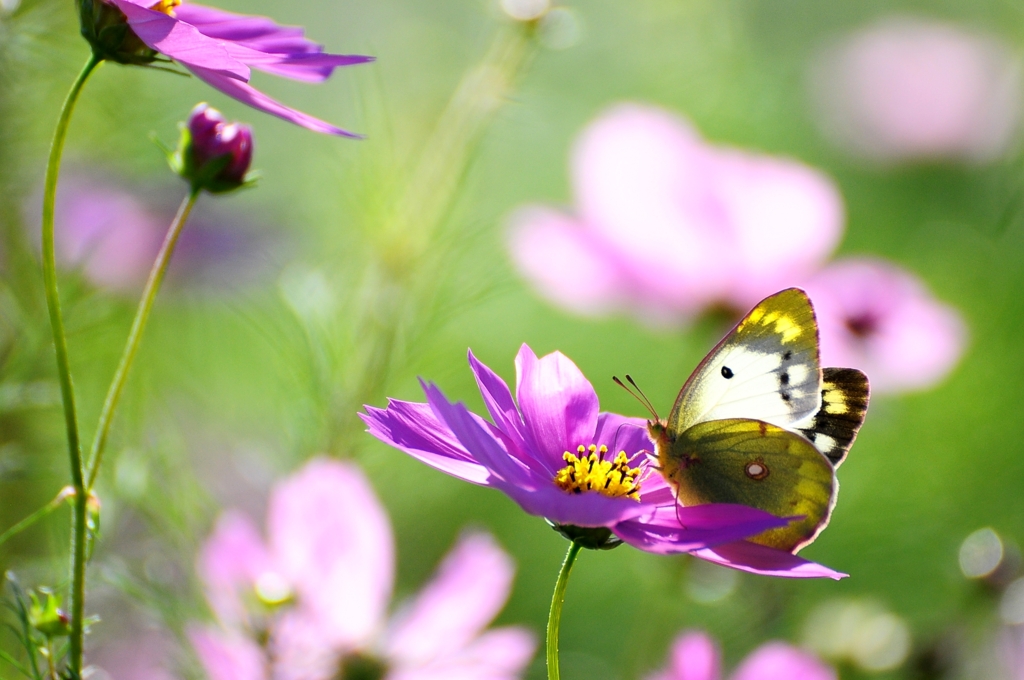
(220, 401)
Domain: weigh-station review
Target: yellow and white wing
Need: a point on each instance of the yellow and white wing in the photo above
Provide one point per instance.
(766, 369)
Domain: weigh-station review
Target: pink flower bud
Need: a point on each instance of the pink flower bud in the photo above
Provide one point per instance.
(214, 154)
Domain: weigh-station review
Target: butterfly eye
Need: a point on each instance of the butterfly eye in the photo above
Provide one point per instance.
(727, 372)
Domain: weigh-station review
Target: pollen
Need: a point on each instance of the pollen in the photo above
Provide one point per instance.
(587, 470)
(166, 6)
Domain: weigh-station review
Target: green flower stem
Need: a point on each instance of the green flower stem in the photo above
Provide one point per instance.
(60, 345)
(156, 276)
(555, 615)
(65, 493)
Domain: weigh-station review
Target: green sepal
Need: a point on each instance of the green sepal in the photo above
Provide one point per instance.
(46, 615)
(591, 538)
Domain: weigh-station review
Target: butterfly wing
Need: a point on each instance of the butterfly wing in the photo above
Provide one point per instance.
(766, 368)
(844, 403)
(758, 464)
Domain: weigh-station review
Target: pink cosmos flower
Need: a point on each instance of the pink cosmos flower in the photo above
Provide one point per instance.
(220, 48)
(881, 319)
(695, 657)
(907, 88)
(666, 224)
(555, 454)
(107, 232)
(310, 602)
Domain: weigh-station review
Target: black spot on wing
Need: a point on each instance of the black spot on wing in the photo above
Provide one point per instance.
(844, 403)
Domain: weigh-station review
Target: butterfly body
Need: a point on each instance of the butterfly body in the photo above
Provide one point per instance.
(759, 423)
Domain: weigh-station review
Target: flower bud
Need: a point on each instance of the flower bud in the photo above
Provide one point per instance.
(213, 154)
(46, 616)
(107, 30)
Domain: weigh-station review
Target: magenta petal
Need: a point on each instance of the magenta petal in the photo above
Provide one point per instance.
(779, 661)
(311, 68)
(230, 562)
(758, 559)
(296, 57)
(558, 403)
(227, 656)
(332, 538)
(414, 429)
(467, 592)
(674, 529)
(183, 42)
(250, 96)
(480, 443)
(621, 433)
(499, 403)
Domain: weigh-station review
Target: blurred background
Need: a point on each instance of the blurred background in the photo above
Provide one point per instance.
(357, 266)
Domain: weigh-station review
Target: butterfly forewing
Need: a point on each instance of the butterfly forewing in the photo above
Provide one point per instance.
(844, 403)
(754, 463)
(766, 368)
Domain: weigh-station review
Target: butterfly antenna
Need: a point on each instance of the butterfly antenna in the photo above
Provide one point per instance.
(638, 394)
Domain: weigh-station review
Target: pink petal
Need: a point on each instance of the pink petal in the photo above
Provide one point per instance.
(779, 661)
(230, 562)
(641, 178)
(500, 654)
(333, 540)
(913, 341)
(227, 656)
(567, 263)
(785, 217)
(301, 650)
(183, 42)
(250, 96)
(694, 657)
(758, 559)
(558, 403)
(467, 592)
(906, 88)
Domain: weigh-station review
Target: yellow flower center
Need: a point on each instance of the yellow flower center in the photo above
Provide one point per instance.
(587, 470)
(166, 6)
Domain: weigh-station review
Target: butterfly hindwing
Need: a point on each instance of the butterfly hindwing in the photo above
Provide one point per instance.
(766, 368)
(844, 403)
(754, 463)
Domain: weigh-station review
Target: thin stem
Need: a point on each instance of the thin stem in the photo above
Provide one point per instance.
(60, 345)
(156, 276)
(555, 615)
(65, 493)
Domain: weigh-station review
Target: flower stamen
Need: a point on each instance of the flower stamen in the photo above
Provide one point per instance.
(166, 6)
(587, 470)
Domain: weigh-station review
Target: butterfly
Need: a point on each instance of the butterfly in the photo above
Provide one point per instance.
(759, 423)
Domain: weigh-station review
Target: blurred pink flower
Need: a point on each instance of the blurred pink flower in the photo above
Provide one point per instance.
(695, 657)
(107, 232)
(317, 593)
(909, 88)
(667, 224)
(881, 319)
